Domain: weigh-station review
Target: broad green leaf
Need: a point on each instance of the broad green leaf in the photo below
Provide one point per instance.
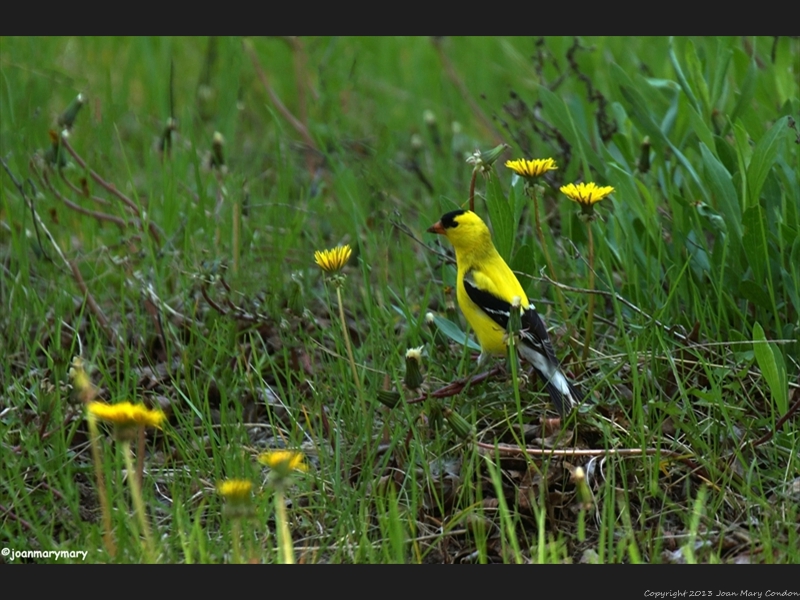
(561, 116)
(792, 278)
(698, 78)
(770, 361)
(755, 293)
(517, 199)
(504, 230)
(668, 122)
(641, 114)
(746, 92)
(698, 254)
(681, 77)
(722, 63)
(525, 262)
(722, 187)
(715, 221)
(643, 117)
(699, 128)
(764, 156)
(455, 333)
(629, 198)
(726, 154)
(754, 241)
(743, 153)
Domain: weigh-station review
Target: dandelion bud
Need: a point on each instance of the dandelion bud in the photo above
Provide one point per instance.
(584, 493)
(67, 118)
(430, 320)
(165, 143)
(55, 154)
(414, 377)
(458, 424)
(449, 304)
(515, 317)
(438, 338)
(483, 161)
(389, 398)
(81, 381)
(217, 145)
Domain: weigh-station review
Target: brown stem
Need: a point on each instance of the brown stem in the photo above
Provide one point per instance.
(82, 192)
(100, 216)
(7, 512)
(793, 409)
(275, 99)
(668, 328)
(111, 188)
(301, 74)
(456, 387)
(509, 450)
(472, 190)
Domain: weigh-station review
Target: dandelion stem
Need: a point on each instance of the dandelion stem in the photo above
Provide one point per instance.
(237, 534)
(285, 546)
(514, 365)
(138, 502)
(590, 315)
(349, 348)
(94, 436)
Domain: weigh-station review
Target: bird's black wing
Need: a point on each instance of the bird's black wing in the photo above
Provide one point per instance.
(497, 308)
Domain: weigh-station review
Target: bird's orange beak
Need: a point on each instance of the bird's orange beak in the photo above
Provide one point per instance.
(436, 228)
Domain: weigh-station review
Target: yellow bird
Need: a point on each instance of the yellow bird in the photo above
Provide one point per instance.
(486, 288)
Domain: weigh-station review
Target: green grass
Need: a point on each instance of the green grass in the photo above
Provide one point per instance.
(227, 324)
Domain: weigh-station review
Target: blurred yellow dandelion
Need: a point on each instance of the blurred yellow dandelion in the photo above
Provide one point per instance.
(235, 490)
(531, 169)
(125, 414)
(283, 462)
(334, 259)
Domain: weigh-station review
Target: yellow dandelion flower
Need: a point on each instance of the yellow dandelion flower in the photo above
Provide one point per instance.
(283, 462)
(125, 414)
(586, 194)
(334, 259)
(530, 169)
(235, 490)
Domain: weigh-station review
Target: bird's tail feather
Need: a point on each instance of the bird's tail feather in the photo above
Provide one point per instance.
(563, 401)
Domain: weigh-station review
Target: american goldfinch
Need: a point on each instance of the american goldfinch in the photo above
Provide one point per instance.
(486, 290)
